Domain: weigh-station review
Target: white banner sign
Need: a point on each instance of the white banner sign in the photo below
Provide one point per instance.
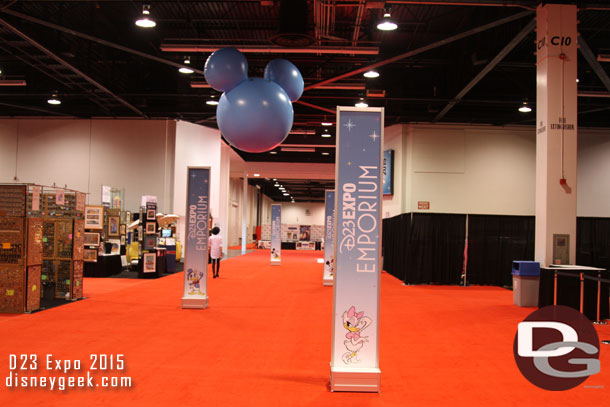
(196, 240)
(354, 358)
(276, 234)
(329, 238)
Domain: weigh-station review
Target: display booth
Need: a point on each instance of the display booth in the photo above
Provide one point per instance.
(41, 246)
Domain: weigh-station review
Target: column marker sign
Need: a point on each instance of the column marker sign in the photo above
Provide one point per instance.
(196, 245)
(329, 238)
(358, 185)
(276, 235)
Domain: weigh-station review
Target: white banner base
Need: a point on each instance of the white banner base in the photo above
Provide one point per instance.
(353, 379)
(195, 303)
(328, 282)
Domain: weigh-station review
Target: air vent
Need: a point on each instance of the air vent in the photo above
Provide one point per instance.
(293, 25)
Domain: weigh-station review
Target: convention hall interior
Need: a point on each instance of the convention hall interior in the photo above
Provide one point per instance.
(495, 148)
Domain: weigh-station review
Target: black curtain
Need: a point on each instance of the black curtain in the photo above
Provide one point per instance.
(395, 244)
(436, 249)
(494, 242)
(593, 242)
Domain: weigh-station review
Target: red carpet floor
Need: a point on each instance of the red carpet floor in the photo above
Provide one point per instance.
(265, 341)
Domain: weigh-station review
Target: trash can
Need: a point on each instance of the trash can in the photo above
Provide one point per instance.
(526, 279)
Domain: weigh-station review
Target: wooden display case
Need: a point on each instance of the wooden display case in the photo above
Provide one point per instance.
(41, 242)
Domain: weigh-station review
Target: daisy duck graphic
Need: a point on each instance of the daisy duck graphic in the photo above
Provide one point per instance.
(355, 323)
(194, 279)
(330, 267)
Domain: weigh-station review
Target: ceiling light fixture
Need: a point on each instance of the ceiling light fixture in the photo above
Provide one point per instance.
(371, 74)
(361, 103)
(326, 124)
(386, 24)
(184, 69)
(326, 134)
(145, 21)
(54, 100)
(213, 102)
(272, 152)
(325, 153)
(524, 108)
(285, 194)
(257, 174)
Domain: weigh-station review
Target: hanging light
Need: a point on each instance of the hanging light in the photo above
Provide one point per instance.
(326, 134)
(325, 153)
(361, 103)
(272, 152)
(54, 100)
(386, 24)
(371, 74)
(326, 123)
(211, 101)
(184, 69)
(524, 108)
(145, 21)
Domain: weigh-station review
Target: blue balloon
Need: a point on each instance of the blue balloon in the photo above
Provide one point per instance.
(225, 69)
(256, 116)
(288, 76)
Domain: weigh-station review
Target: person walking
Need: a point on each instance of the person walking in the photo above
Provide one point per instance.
(215, 250)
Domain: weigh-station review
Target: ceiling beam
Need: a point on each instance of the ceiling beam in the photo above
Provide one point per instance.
(491, 65)
(316, 107)
(70, 67)
(424, 48)
(35, 109)
(98, 40)
(271, 49)
(595, 65)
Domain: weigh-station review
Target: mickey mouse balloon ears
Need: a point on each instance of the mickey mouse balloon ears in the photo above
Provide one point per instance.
(254, 115)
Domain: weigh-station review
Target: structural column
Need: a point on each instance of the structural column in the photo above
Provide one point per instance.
(556, 131)
(244, 215)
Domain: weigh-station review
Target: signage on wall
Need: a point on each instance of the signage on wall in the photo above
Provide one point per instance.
(329, 238)
(106, 198)
(276, 234)
(388, 172)
(196, 239)
(423, 205)
(354, 356)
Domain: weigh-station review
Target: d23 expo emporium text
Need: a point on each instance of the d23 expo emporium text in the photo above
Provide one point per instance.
(198, 223)
(359, 218)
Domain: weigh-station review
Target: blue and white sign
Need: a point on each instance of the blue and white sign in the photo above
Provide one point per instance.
(358, 187)
(329, 238)
(388, 172)
(196, 240)
(276, 234)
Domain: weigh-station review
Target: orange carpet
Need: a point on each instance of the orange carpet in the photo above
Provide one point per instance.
(265, 341)
(249, 246)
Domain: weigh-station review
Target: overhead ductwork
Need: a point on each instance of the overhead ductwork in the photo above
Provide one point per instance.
(293, 30)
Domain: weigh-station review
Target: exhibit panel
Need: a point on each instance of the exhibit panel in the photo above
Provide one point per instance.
(276, 230)
(329, 239)
(196, 238)
(355, 329)
(38, 243)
